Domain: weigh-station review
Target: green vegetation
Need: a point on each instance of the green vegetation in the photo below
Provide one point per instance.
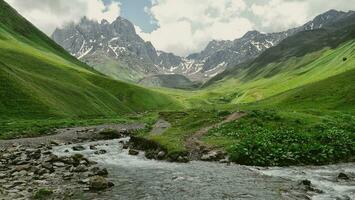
(184, 124)
(40, 80)
(43, 194)
(270, 138)
(278, 77)
(31, 128)
(308, 80)
(334, 93)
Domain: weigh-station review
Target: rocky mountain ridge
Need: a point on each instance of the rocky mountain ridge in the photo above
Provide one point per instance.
(117, 50)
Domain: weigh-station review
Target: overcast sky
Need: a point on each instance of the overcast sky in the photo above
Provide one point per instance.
(182, 26)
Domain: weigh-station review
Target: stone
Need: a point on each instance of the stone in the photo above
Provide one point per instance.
(48, 166)
(97, 183)
(22, 168)
(40, 171)
(133, 152)
(47, 153)
(93, 147)
(182, 159)
(343, 176)
(78, 148)
(3, 175)
(224, 161)
(16, 183)
(306, 182)
(80, 168)
(125, 146)
(110, 184)
(51, 158)
(67, 176)
(212, 156)
(59, 164)
(55, 142)
(100, 152)
(66, 160)
(19, 174)
(84, 181)
(161, 155)
(99, 171)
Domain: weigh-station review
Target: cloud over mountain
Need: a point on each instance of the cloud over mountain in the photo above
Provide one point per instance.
(49, 14)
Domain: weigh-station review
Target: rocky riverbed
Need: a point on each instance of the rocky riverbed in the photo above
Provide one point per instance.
(26, 172)
(28, 167)
(101, 167)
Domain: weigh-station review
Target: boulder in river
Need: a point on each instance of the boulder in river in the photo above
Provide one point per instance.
(93, 147)
(133, 152)
(100, 152)
(78, 148)
(343, 176)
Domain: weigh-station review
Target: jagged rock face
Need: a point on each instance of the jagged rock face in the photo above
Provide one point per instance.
(109, 43)
(116, 50)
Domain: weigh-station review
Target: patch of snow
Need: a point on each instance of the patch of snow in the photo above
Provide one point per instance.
(257, 45)
(223, 64)
(84, 54)
(213, 75)
(113, 39)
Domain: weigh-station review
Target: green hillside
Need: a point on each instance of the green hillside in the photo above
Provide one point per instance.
(38, 79)
(266, 77)
(334, 93)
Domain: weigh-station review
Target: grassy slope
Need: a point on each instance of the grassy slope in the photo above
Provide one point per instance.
(292, 73)
(334, 93)
(40, 80)
(301, 59)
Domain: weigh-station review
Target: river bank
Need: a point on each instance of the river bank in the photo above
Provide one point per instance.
(28, 167)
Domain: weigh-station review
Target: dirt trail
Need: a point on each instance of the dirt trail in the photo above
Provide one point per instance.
(198, 148)
(66, 135)
(159, 127)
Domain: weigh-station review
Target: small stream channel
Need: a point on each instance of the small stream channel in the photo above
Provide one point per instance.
(138, 178)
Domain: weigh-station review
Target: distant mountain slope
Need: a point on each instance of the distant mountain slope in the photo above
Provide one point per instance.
(176, 81)
(113, 48)
(302, 59)
(38, 79)
(221, 55)
(116, 50)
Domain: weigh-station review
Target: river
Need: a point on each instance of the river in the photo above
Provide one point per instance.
(138, 178)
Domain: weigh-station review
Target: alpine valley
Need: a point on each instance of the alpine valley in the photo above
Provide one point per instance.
(116, 50)
(96, 112)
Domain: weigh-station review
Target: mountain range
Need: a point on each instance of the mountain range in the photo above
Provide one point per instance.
(39, 79)
(42, 79)
(115, 49)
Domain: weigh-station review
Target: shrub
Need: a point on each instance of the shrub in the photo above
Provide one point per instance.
(43, 194)
(264, 138)
(285, 147)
